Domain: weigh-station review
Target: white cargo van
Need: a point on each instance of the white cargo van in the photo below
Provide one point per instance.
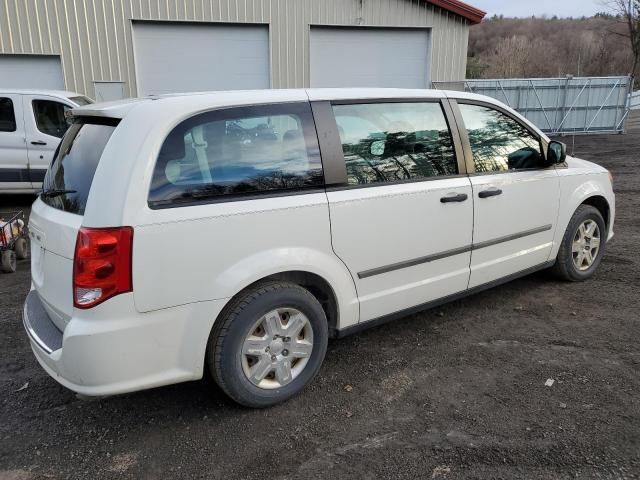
(32, 122)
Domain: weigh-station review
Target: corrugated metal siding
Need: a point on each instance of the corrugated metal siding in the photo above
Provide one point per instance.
(94, 37)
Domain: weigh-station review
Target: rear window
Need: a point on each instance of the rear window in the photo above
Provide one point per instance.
(68, 181)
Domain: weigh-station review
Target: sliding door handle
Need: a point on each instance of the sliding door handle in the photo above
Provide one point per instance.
(454, 197)
(492, 192)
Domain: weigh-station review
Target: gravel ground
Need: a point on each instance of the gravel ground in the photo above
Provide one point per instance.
(456, 392)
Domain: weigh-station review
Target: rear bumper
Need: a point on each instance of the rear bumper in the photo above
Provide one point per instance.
(41, 329)
(100, 353)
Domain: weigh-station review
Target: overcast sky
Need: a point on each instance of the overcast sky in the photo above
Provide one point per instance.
(526, 8)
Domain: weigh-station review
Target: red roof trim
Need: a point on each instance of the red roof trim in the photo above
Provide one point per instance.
(473, 14)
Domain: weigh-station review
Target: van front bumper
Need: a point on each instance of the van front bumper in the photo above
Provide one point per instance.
(101, 354)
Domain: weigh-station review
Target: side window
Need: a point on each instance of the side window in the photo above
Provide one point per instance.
(50, 117)
(7, 116)
(238, 151)
(391, 142)
(498, 142)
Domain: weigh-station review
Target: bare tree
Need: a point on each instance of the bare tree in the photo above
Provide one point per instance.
(502, 47)
(629, 11)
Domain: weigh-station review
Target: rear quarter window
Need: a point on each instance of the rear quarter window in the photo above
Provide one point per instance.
(68, 181)
(238, 152)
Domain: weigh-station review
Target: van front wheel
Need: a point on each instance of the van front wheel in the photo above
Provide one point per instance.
(268, 344)
(582, 246)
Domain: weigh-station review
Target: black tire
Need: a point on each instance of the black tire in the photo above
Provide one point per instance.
(8, 261)
(565, 267)
(224, 351)
(20, 247)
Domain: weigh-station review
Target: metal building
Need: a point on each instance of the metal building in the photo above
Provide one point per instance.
(109, 49)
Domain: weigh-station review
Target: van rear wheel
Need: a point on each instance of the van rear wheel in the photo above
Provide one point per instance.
(268, 344)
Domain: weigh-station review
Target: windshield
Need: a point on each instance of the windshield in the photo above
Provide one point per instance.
(81, 100)
(68, 181)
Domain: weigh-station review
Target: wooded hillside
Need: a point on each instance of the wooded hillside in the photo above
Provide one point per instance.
(549, 47)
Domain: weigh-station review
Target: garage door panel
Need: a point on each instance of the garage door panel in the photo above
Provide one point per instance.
(31, 71)
(376, 57)
(181, 58)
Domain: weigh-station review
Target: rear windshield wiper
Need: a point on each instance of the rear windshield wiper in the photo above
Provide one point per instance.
(55, 192)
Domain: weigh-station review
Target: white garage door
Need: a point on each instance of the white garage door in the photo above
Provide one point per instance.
(188, 58)
(370, 57)
(31, 71)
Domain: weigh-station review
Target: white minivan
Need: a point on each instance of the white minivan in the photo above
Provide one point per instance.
(32, 122)
(239, 231)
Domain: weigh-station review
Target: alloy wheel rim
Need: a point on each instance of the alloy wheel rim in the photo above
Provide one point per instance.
(277, 348)
(586, 245)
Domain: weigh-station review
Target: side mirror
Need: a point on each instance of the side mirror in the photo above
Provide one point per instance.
(556, 153)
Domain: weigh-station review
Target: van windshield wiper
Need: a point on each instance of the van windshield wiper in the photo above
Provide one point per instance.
(56, 192)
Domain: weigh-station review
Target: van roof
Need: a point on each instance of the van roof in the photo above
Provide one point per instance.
(186, 104)
(54, 93)
(200, 101)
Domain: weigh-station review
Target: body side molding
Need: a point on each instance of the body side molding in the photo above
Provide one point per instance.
(449, 253)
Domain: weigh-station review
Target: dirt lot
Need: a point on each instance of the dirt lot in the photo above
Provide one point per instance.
(458, 392)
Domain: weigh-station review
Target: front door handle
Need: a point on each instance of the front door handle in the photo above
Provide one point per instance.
(38, 142)
(492, 192)
(454, 197)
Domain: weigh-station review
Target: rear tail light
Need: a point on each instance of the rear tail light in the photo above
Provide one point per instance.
(101, 265)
